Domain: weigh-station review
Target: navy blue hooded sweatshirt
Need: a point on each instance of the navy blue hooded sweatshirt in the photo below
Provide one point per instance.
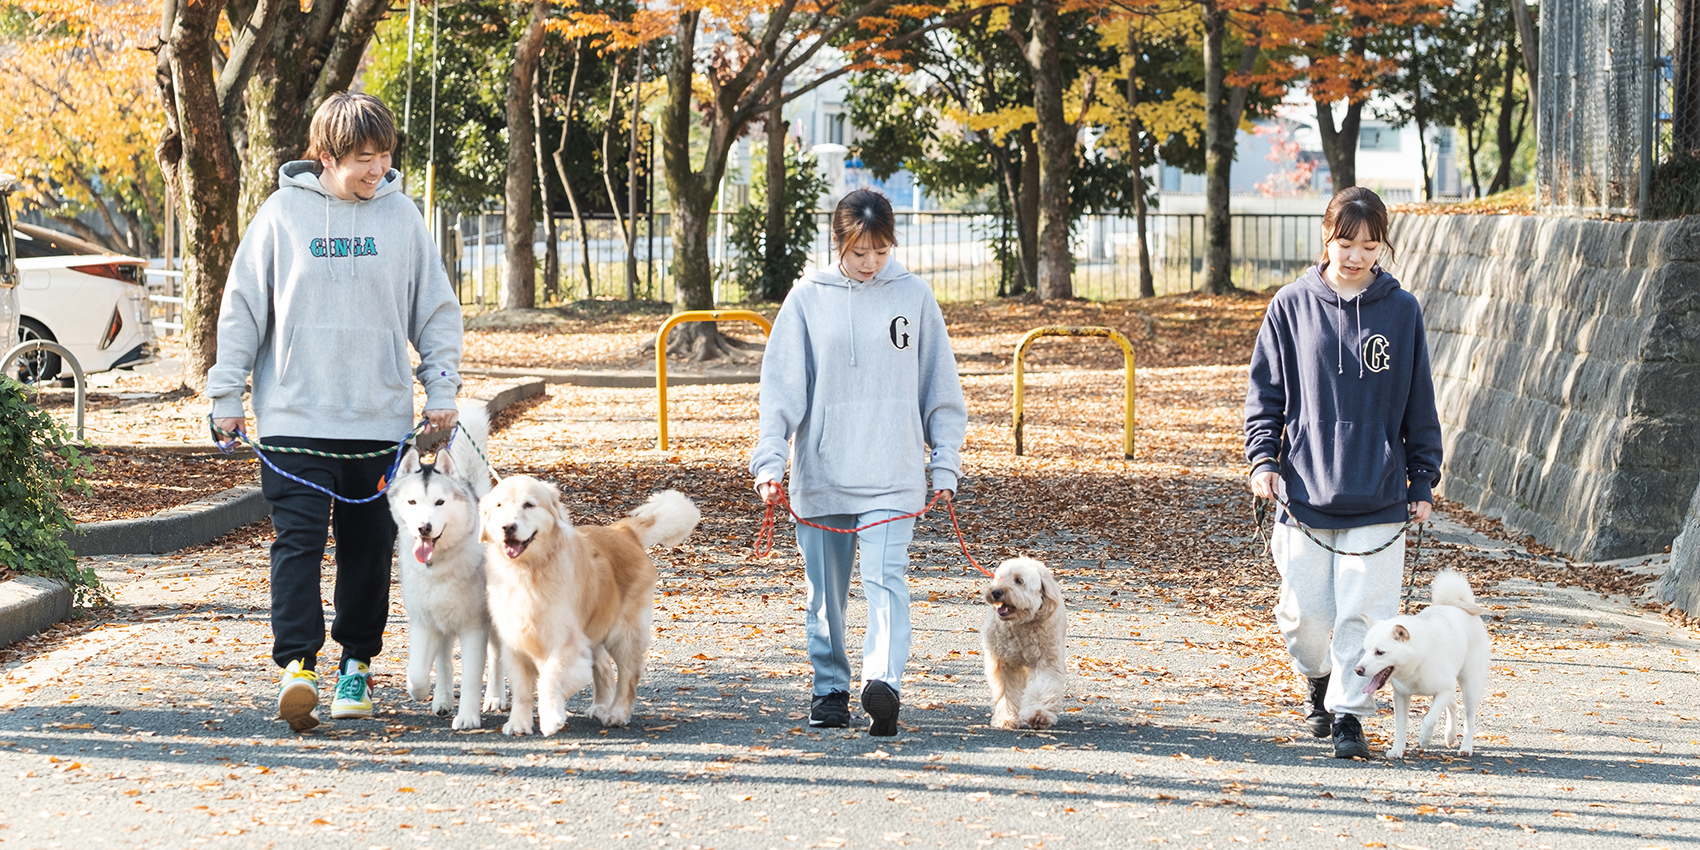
(1341, 403)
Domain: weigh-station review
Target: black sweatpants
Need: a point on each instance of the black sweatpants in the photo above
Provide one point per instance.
(365, 546)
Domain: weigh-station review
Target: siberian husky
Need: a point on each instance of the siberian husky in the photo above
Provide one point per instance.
(1435, 653)
(570, 604)
(442, 572)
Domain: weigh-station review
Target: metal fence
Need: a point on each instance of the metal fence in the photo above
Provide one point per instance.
(958, 253)
(1618, 93)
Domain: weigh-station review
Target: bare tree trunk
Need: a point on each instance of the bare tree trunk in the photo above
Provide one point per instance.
(692, 192)
(519, 290)
(1136, 153)
(312, 52)
(1340, 146)
(561, 168)
(1056, 153)
(1529, 43)
(1027, 209)
(551, 241)
(1223, 106)
(1507, 137)
(631, 178)
(607, 167)
(773, 287)
(198, 159)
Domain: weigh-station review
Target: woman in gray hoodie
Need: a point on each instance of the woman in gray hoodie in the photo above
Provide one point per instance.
(859, 389)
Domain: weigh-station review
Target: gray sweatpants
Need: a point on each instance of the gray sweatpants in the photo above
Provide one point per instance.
(1324, 597)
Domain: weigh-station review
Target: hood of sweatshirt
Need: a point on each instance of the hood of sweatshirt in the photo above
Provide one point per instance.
(1313, 284)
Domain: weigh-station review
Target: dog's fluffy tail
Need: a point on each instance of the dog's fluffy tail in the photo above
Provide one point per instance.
(1451, 588)
(470, 456)
(666, 519)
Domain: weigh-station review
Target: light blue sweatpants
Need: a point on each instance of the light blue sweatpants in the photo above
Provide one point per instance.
(827, 559)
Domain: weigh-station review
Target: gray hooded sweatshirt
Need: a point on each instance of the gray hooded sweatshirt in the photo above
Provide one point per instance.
(323, 300)
(858, 381)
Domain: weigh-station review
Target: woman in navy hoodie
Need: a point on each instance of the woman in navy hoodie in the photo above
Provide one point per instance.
(1341, 425)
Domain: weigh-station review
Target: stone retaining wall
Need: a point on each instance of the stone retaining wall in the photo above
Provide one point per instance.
(1567, 363)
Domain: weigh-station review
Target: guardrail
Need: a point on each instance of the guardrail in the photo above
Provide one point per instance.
(166, 309)
(1128, 390)
(661, 354)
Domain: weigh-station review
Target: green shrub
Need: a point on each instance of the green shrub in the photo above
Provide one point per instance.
(748, 227)
(38, 461)
(1675, 187)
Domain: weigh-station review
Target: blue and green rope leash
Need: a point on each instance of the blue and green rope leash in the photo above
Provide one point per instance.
(228, 446)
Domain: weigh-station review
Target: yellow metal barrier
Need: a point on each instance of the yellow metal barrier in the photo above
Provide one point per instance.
(661, 351)
(1063, 330)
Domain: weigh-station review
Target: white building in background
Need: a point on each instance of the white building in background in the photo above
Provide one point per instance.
(1265, 162)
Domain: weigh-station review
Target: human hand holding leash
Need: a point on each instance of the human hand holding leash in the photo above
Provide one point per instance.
(236, 427)
(771, 492)
(1420, 511)
(1263, 484)
(442, 419)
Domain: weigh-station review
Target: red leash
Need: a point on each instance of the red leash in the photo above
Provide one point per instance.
(764, 537)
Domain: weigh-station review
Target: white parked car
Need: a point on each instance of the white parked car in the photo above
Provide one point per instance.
(84, 297)
(8, 271)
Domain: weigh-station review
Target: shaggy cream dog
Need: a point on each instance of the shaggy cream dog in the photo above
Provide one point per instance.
(1025, 638)
(571, 605)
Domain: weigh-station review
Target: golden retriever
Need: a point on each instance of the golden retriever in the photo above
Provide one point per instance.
(572, 604)
(1025, 642)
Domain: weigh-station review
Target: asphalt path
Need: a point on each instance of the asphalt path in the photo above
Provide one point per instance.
(155, 728)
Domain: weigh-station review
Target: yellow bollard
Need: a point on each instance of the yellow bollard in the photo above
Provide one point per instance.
(1090, 330)
(661, 351)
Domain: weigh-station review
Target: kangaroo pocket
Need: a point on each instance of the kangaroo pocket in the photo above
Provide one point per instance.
(1346, 467)
(872, 446)
(352, 369)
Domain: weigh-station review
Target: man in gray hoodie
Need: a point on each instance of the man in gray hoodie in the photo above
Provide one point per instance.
(335, 277)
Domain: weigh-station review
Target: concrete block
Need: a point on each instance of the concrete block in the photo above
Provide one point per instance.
(29, 604)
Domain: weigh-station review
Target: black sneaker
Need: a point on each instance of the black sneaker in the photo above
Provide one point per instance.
(880, 701)
(830, 710)
(1320, 720)
(1349, 738)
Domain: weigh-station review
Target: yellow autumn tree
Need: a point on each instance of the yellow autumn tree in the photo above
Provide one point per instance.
(81, 115)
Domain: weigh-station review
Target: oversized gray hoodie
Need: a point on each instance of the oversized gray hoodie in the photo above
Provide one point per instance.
(858, 382)
(323, 300)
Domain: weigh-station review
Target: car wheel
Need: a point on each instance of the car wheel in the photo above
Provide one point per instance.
(36, 366)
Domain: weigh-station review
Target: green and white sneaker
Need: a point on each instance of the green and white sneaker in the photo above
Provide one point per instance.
(298, 696)
(353, 691)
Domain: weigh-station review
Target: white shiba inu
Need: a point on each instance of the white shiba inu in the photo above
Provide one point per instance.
(1436, 653)
(442, 572)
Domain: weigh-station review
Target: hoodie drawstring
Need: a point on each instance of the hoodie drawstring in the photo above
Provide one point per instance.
(1358, 340)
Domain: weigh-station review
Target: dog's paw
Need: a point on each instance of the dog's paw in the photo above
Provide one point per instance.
(419, 690)
(1396, 752)
(495, 703)
(441, 707)
(1041, 719)
(550, 725)
(607, 715)
(517, 726)
(467, 721)
(1006, 723)
(1467, 749)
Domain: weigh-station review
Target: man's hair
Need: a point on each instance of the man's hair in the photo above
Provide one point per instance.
(348, 122)
(1355, 210)
(863, 213)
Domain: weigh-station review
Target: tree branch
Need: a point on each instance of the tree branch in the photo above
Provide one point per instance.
(247, 45)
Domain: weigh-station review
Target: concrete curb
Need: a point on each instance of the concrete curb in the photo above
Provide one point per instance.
(220, 513)
(29, 604)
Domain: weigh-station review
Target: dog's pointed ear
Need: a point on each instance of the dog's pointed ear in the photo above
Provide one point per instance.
(1368, 620)
(445, 462)
(1401, 633)
(409, 461)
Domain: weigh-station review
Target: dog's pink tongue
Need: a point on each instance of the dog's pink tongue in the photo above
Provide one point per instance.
(423, 549)
(1379, 680)
(512, 549)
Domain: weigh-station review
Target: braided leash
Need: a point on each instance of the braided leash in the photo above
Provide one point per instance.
(764, 537)
(228, 446)
(1260, 513)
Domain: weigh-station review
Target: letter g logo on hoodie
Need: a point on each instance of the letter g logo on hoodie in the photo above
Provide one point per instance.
(899, 338)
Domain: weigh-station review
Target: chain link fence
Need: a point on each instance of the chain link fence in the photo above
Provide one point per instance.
(1618, 94)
